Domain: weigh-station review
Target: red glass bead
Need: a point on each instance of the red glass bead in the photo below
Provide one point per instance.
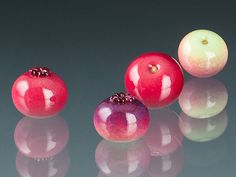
(154, 78)
(39, 93)
(122, 118)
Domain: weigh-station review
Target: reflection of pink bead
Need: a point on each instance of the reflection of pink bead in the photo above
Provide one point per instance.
(163, 136)
(203, 98)
(122, 159)
(41, 138)
(56, 166)
(121, 118)
(167, 166)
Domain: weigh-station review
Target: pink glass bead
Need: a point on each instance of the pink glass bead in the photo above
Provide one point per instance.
(39, 93)
(41, 138)
(121, 118)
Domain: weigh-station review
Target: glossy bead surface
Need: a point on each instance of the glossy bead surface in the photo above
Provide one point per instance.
(39, 93)
(41, 138)
(203, 98)
(56, 166)
(154, 78)
(163, 136)
(203, 130)
(203, 53)
(122, 159)
(121, 118)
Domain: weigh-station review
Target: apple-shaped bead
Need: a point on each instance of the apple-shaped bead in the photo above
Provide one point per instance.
(121, 118)
(41, 138)
(122, 159)
(203, 98)
(163, 136)
(39, 93)
(203, 53)
(203, 130)
(156, 79)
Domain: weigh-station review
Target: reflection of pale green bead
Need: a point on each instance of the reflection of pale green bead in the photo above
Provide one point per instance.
(203, 130)
(203, 98)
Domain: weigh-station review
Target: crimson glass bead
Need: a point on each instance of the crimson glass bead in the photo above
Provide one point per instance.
(39, 93)
(154, 78)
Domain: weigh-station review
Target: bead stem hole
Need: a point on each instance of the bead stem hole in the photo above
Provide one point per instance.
(153, 69)
(205, 42)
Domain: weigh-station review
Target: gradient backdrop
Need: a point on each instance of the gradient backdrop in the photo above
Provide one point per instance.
(90, 44)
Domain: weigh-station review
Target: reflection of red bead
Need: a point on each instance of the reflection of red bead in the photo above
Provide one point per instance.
(56, 166)
(41, 138)
(163, 136)
(154, 78)
(121, 118)
(39, 93)
(167, 166)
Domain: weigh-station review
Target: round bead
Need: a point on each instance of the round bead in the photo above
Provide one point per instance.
(203, 53)
(203, 98)
(41, 138)
(39, 93)
(121, 118)
(122, 159)
(154, 78)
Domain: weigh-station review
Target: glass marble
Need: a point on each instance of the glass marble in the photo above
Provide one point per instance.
(122, 159)
(203, 53)
(163, 136)
(203, 130)
(41, 138)
(121, 118)
(203, 98)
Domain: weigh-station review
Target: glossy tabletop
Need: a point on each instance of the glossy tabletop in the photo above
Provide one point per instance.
(90, 44)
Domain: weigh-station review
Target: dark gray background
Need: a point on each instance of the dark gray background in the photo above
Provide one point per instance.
(90, 44)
